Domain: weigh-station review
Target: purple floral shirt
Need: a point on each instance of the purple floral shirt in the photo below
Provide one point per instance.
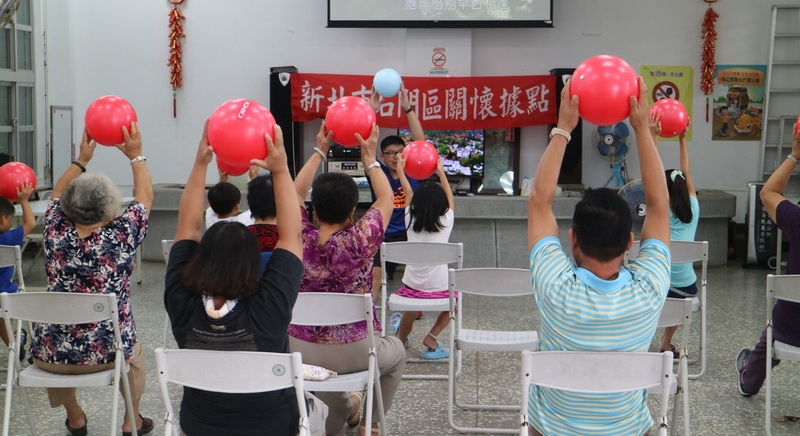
(99, 263)
(343, 264)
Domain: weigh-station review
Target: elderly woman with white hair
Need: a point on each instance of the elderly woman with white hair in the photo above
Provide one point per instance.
(90, 248)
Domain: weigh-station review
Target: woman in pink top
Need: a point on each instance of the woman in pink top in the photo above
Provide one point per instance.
(338, 258)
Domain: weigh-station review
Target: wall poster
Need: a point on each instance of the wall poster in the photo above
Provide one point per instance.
(737, 102)
(670, 81)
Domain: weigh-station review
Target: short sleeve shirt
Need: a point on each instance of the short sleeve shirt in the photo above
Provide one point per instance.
(397, 222)
(12, 237)
(683, 273)
(341, 264)
(581, 312)
(100, 263)
(429, 278)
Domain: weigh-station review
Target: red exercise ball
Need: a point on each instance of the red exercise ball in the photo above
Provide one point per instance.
(674, 118)
(12, 176)
(236, 131)
(231, 170)
(105, 117)
(421, 159)
(348, 116)
(604, 85)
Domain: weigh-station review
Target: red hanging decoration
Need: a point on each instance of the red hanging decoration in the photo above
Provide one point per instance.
(175, 53)
(709, 34)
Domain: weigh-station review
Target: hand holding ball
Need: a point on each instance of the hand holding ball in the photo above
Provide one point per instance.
(674, 118)
(105, 118)
(421, 159)
(604, 85)
(12, 176)
(236, 132)
(387, 82)
(348, 116)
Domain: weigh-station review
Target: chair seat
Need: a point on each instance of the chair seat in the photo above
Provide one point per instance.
(397, 302)
(356, 381)
(33, 376)
(488, 340)
(782, 351)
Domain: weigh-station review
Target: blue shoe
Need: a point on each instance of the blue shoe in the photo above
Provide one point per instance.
(394, 322)
(439, 353)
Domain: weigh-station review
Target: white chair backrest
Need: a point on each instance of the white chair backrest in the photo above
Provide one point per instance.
(332, 308)
(676, 311)
(597, 372)
(422, 253)
(11, 256)
(60, 307)
(782, 287)
(235, 372)
(505, 282)
(166, 246)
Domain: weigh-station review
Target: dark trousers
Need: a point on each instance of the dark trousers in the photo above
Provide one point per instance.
(755, 370)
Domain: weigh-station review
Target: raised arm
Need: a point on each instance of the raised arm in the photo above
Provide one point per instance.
(302, 183)
(448, 191)
(417, 134)
(286, 201)
(28, 220)
(684, 154)
(654, 123)
(541, 220)
(772, 192)
(77, 167)
(142, 183)
(656, 197)
(190, 210)
(401, 174)
(384, 198)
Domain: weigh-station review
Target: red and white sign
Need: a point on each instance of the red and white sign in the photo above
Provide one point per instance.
(442, 103)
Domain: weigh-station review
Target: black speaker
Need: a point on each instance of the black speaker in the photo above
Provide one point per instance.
(572, 165)
(280, 104)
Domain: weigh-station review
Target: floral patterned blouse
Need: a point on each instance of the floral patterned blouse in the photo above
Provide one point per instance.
(99, 263)
(343, 263)
(267, 235)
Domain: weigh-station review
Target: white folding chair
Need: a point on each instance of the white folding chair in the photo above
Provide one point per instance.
(254, 372)
(166, 246)
(11, 257)
(490, 282)
(332, 308)
(418, 254)
(787, 288)
(684, 252)
(63, 308)
(678, 312)
(596, 372)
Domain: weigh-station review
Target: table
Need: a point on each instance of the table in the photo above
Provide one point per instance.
(39, 208)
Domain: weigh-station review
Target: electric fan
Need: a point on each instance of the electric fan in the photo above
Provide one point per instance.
(7, 10)
(610, 144)
(633, 193)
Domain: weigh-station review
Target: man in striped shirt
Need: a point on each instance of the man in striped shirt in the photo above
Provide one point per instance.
(590, 302)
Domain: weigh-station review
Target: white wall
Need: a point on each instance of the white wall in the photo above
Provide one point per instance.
(121, 47)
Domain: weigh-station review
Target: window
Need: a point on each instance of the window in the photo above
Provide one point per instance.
(17, 82)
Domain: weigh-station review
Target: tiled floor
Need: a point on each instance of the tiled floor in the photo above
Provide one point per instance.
(736, 314)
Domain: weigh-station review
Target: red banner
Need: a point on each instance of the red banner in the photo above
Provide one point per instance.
(442, 103)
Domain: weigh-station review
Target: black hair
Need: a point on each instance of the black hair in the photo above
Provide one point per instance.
(679, 196)
(392, 140)
(6, 207)
(227, 263)
(223, 198)
(334, 196)
(602, 224)
(261, 197)
(428, 205)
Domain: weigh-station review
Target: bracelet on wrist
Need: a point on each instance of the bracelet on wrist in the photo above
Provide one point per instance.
(560, 132)
(375, 164)
(321, 153)
(409, 110)
(79, 165)
(793, 159)
(139, 158)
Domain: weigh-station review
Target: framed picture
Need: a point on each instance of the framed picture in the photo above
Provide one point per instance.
(501, 162)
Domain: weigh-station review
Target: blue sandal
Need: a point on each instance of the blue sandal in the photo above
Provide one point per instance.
(394, 322)
(440, 352)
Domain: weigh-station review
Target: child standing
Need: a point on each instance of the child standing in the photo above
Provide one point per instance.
(9, 236)
(429, 218)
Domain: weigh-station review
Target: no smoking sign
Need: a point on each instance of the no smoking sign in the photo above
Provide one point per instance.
(664, 90)
(438, 59)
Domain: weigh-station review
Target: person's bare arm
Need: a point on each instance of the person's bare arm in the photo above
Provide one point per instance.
(401, 174)
(656, 197)
(772, 193)
(142, 183)
(448, 191)
(302, 183)
(190, 210)
(654, 123)
(541, 220)
(286, 201)
(684, 155)
(417, 134)
(28, 219)
(384, 198)
(73, 171)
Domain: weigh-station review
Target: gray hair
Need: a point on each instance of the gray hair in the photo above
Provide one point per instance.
(90, 199)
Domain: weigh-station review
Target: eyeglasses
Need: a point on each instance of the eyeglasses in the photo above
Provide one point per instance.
(391, 153)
